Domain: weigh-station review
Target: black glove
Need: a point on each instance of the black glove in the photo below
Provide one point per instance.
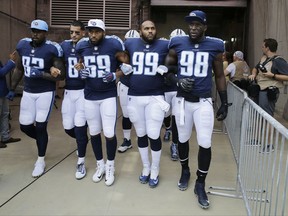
(223, 110)
(186, 84)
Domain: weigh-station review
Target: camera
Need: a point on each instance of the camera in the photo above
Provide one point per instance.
(262, 68)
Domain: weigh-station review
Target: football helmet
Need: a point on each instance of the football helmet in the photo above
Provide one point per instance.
(132, 34)
(177, 32)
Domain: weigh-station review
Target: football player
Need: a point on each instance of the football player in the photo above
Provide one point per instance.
(73, 114)
(41, 64)
(101, 56)
(146, 104)
(122, 88)
(196, 56)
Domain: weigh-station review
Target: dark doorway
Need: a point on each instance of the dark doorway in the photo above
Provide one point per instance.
(226, 23)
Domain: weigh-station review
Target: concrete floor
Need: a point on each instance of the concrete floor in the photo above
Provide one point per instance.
(57, 192)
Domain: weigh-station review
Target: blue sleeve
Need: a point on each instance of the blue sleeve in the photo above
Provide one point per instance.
(59, 50)
(7, 68)
(119, 43)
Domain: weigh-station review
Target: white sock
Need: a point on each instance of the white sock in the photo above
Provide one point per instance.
(100, 162)
(127, 134)
(41, 159)
(156, 155)
(81, 160)
(145, 159)
(110, 162)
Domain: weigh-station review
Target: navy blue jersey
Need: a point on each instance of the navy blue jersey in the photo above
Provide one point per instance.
(195, 61)
(73, 80)
(100, 58)
(125, 80)
(169, 87)
(145, 58)
(41, 58)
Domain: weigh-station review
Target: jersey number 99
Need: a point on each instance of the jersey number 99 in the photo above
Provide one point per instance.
(145, 63)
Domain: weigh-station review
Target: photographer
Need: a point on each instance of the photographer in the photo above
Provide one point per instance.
(269, 73)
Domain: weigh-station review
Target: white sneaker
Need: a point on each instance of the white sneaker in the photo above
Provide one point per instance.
(109, 177)
(81, 171)
(39, 169)
(100, 171)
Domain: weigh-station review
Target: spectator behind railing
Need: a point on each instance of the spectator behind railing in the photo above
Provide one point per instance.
(238, 70)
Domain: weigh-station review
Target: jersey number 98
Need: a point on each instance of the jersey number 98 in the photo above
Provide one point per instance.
(194, 63)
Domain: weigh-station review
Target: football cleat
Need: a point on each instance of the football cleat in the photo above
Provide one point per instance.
(80, 171)
(100, 171)
(109, 175)
(145, 175)
(184, 180)
(200, 192)
(167, 135)
(125, 146)
(174, 151)
(39, 169)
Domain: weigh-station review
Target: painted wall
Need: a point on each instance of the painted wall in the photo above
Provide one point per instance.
(12, 30)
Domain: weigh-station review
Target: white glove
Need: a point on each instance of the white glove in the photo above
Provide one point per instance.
(126, 68)
(109, 77)
(84, 73)
(162, 69)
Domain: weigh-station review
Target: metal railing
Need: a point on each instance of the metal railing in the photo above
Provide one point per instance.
(260, 146)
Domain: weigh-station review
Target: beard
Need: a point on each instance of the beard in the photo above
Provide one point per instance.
(96, 42)
(149, 40)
